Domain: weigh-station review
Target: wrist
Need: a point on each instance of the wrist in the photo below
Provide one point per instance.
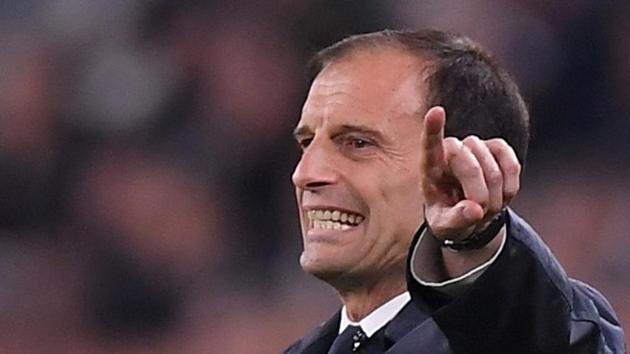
(478, 239)
(434, 266)
(457, 263)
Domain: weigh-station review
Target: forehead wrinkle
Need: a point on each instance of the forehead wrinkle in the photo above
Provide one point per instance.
(339, 91)
(339, 98)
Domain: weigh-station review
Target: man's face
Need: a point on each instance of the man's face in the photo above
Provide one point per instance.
(358, 180)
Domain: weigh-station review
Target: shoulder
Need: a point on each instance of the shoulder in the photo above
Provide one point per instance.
(526, 248)
(591, 318)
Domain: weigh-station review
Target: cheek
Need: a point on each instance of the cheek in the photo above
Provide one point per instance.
(402, 200)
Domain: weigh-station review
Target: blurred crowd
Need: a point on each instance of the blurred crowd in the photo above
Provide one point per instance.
(146, 154)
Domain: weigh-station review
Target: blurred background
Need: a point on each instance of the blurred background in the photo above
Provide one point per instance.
(146, 154)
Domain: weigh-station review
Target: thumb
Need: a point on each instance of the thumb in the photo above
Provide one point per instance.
(455, 222)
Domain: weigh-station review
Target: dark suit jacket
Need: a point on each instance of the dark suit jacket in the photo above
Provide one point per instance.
(409, 319)
(523, 303)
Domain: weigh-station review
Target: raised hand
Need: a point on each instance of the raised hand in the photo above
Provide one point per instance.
(465, 182)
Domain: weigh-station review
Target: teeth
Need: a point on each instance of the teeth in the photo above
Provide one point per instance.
(333, 219)
(329, 225)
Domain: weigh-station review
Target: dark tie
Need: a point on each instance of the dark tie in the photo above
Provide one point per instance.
(349, 341)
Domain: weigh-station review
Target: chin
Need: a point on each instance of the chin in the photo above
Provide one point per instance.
(330, 270)
(324, 268)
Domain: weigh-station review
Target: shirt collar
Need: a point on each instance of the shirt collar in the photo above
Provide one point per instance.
(378, 318)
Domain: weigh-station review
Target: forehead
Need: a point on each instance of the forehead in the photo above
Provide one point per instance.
(373, 81)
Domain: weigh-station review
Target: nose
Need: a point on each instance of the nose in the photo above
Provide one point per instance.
(315, 169)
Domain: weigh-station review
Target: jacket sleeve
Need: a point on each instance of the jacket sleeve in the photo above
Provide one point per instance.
(594, 326)
(523, 303)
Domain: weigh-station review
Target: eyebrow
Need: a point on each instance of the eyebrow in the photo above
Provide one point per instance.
(343, 129)
(301, 131)
(348, 128)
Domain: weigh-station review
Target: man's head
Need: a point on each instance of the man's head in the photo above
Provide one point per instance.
(360, 129)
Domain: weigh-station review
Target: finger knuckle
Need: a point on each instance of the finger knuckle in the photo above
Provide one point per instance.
(513, 169)
(474, 144)
(497, 144)
(452, 141)
(471, 139)
(472, 170)
(501, 142)
(452, 147)
(494, 177)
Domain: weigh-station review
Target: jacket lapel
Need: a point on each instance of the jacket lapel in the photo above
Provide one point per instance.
(409, 318)
(426, 338)
(320, 340)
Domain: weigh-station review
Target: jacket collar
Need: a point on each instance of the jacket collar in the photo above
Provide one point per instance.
(321, 338)
(406, 320)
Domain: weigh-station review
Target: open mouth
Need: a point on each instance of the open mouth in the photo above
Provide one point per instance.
(331, 219)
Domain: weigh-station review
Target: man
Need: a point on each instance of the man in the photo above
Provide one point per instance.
(401, 129)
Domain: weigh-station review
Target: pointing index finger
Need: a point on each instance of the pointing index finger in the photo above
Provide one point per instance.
(432, 140)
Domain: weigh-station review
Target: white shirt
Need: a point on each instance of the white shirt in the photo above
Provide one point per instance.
(378, 318)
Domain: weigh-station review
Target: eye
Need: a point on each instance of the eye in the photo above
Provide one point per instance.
(358, 143)
(304, 143)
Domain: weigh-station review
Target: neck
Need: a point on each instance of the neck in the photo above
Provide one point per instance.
(360, 302)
